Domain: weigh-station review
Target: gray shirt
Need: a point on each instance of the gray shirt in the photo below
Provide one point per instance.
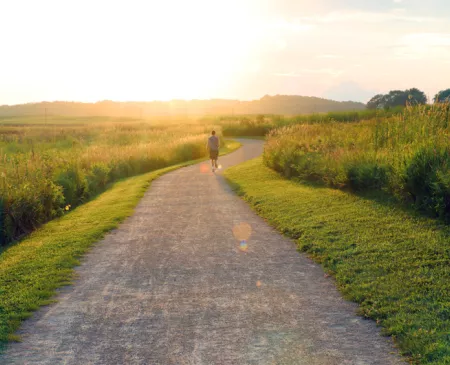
(213, 143)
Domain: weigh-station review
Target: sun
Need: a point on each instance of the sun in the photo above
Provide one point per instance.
(188, 53)
(136, 50)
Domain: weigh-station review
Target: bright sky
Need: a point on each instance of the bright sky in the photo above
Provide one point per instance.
(242, 49)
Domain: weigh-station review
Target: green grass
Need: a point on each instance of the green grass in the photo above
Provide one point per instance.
(31, 270)
(406, 155)
(262, 124)
(394, 263)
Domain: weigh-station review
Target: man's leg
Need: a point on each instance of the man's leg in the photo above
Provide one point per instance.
(216, 157)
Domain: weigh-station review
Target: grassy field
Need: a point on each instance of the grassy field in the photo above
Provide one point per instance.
(384, 255)
(49, 168)
(395, 264)
(261, 125)
(406, 155)
(31, 270)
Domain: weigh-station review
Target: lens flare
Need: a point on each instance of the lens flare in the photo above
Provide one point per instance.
(242, 231)
(243, 246)
(204, 168)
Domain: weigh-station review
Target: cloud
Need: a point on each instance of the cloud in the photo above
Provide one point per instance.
(365, 17)
(398, 10)
(428, 39)
(424, 45)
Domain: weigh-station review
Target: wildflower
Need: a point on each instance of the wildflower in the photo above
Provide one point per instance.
(67, 207)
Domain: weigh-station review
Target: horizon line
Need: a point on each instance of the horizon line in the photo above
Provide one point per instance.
(177, 100)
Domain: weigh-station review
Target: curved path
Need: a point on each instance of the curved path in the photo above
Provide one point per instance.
(172, 285)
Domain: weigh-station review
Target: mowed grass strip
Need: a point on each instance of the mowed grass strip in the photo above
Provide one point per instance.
(394, 264)
(31, 270)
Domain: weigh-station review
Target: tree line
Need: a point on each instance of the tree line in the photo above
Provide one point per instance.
(403, 97)
(277, 104)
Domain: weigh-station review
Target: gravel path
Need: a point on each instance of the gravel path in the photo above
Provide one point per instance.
(174, 285)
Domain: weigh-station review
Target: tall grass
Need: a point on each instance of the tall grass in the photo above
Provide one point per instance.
(407, 155)
(46, 170)
(261, 125)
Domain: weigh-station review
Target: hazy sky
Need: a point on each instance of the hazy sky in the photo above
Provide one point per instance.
(163, 49)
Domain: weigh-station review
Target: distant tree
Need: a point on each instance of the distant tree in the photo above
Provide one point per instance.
(416, 96)
(377, 102)
(397, 98)
(442, 96)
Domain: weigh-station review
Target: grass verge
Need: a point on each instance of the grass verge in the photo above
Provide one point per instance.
(396, 265)
(261, 138)
(31, 270)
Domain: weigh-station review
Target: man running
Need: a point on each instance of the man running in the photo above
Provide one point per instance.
(213, 148)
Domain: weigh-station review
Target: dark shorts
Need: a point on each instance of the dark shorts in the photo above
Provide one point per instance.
(213, 155)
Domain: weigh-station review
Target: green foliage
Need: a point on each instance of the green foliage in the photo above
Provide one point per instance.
(2, 223)
(248, 126)
(442, 96)
(392, 262)
(406, 155)
(189, 151)
(428, 180)
(47, 170)
(367, 175)
(261, 125)
(28, 205)
(397, 98)
(99, 177)
(74, 184)
(377, 102)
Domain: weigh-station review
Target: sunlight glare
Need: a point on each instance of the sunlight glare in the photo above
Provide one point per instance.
(242, 231)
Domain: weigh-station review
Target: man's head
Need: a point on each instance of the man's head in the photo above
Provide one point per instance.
(213, 133)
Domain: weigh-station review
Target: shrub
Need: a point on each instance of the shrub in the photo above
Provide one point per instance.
(367, 175)
(406, 155)
(189, 151)
(428, 180)
(98, 177)
(43, 169)
(3, 239)
(29, 205)
(74, 184)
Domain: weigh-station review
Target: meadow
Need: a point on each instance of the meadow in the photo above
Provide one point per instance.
(406, 155)
(333, 182)
(261, 125)
(49, 166)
